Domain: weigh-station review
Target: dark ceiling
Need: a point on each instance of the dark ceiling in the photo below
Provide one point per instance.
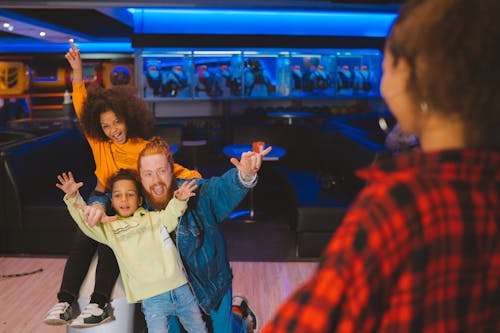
(88, 21)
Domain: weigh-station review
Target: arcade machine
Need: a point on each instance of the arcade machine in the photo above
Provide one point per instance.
(117, 74)
(15, 102)
(166, 75)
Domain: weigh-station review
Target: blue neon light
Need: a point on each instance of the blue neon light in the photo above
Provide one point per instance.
(29, 45)
(48, 79)
(239, 214)
(265, 22)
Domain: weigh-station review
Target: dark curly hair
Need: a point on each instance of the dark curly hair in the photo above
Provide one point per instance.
(123, 101)
(125, 174)
(452, 49)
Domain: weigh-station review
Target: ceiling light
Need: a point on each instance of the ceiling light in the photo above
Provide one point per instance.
(34, 28)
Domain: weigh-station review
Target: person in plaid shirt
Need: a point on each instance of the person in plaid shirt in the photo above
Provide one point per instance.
(419, 249)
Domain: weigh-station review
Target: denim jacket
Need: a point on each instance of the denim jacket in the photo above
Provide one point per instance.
(199, 240)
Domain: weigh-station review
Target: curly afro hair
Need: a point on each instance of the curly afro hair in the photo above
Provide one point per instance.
(123, 101)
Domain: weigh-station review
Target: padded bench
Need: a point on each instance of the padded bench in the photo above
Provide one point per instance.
(318, 212)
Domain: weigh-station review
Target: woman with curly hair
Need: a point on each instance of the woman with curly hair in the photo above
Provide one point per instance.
(116, 124)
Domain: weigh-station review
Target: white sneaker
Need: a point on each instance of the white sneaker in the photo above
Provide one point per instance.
(93, 315)
(60, 314)
(248, 313)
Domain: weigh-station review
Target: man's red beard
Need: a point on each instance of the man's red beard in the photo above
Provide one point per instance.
(159, 203)
(156, 202)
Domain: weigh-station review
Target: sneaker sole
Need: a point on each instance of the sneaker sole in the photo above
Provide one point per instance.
(108, 319)
(254, 319)
(56, 322)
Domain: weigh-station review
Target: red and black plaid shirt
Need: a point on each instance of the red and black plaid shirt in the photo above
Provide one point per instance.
(418, 251)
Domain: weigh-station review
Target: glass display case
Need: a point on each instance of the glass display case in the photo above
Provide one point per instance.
(358, 72)
(265, 73)
(168, 75)
(217, 74)
(230, 74)
(312, 74)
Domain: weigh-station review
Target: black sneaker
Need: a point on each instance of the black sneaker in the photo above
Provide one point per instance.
(60, 314)
(93, 315)
(248, 314)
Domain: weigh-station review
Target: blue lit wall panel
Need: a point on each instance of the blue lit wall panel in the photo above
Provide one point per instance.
(300, 23)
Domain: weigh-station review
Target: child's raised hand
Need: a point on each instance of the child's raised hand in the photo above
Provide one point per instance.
(67, 184)
(186, 190)
(73, 56)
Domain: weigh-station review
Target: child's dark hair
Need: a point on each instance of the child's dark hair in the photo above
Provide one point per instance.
(125, 174)
(127, 106)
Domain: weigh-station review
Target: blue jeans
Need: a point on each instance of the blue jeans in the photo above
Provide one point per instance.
(179, 302)
(223, 320)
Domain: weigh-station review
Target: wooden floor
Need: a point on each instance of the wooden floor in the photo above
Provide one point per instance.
(25, 300)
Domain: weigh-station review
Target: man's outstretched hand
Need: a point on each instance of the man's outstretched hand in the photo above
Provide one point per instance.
(186, 190)
(250, 162)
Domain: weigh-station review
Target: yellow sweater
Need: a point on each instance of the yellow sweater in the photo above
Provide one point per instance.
(109, 156)
(149, 264)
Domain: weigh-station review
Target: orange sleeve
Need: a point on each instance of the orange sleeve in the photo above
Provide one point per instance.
(184, 173)
(79, 97)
